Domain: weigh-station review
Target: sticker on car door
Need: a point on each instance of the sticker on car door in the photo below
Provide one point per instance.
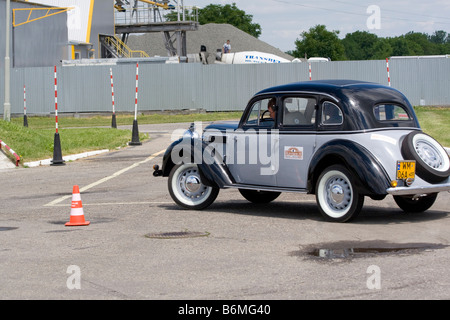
(293, 153)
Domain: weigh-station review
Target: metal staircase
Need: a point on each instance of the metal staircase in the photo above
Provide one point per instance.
(145, 16)
(116, 48)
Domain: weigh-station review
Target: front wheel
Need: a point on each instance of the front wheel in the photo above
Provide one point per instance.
(421, 204)
(336, 195)
(187, 190)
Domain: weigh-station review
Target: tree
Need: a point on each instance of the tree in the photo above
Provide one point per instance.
(319, 42)
(360, 45)
(420, 44)
(439, 37)
(230, 14)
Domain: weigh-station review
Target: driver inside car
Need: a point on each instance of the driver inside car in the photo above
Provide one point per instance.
(272, 108)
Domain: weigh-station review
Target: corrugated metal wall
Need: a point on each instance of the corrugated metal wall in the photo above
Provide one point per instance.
(210, 87)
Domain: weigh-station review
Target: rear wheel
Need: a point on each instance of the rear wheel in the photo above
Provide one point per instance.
(187, 190)
(258, 196)
(409, 204)
(336, 195)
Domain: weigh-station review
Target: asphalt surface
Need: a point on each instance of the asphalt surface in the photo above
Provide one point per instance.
(244, 251)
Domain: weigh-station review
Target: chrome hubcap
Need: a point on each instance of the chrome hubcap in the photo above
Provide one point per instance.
(192, 183)
(428, 153)
(339, 193)
(189, 184)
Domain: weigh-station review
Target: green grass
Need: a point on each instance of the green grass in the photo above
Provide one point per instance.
(37, 144)
(77, 135)
(435, 122)
(80, 134)
(97, 121)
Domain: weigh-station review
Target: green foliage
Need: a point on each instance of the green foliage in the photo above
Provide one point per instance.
(215, 13)
(229, 14)
(319, 42)
(363, 45)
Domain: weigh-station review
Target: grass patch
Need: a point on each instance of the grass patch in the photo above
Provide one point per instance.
(37, 144)
(78, 135)
(105, 121)
(435, 122)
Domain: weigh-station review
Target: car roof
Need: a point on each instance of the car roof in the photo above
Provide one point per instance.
(357, 98)
(320, 85)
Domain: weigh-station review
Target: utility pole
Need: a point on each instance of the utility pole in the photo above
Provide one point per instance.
(7, 104)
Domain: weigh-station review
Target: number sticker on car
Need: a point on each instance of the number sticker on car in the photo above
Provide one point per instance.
(406, 169)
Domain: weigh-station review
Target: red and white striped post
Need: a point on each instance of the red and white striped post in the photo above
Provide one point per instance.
(113, 122)
(136, 97)
(2, 143)
(135, 135)
(56, 99)
(57, 154)
(387, 67)
(310, 71)
(25, 119)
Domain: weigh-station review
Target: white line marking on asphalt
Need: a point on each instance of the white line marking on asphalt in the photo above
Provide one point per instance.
(114, 175)
(117, 203)
(155, 203)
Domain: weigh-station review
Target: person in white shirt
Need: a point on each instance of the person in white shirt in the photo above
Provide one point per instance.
(226, 47)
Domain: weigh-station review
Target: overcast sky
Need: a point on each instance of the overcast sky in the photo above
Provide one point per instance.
(282, 21)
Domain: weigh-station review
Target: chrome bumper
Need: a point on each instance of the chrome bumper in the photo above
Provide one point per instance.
(404, 191)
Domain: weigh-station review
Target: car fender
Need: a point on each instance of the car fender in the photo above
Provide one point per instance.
(369, 174)
(167, 163)
(213, 171)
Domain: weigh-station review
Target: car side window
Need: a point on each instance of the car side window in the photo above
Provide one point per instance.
(298, 111)
(253, 116)
(387, 112)
(331, 114)
(259, 115)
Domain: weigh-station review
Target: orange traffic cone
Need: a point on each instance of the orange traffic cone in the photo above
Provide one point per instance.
(76, 210)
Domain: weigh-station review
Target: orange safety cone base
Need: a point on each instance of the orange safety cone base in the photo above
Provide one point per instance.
(76, 211)
(77, 223)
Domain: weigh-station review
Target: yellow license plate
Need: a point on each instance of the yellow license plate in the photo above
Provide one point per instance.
(406, 170)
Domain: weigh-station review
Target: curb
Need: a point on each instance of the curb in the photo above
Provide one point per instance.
(10, 150)
(72, 157)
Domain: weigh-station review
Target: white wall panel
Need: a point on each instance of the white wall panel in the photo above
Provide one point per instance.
(77, 18)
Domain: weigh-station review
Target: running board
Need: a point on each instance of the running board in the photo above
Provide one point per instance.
(266, 188)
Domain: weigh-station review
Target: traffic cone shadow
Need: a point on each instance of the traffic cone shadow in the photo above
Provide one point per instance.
(76, 210)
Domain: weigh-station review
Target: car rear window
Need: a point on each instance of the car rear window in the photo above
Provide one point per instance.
(390, 112)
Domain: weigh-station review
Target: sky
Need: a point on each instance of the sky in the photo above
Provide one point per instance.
(283, 21)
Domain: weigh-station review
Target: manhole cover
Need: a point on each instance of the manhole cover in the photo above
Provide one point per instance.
(8, 228)
(176, 235)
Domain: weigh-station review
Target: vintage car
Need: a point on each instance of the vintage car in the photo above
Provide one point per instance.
(341, 140)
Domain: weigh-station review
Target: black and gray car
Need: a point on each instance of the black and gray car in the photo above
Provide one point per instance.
(341, 140)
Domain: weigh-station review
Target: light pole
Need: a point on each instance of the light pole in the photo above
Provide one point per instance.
(7, 104)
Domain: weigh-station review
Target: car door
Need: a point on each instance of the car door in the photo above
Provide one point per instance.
(297, 136)
(250, 150)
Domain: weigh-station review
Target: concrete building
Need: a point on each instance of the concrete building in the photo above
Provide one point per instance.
(45, 32)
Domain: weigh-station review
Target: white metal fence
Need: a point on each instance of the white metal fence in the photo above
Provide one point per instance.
(210, 87)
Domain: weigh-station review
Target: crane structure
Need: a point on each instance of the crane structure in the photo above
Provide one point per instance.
(142, 16)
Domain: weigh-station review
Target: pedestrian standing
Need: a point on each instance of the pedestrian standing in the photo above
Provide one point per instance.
(226, 47)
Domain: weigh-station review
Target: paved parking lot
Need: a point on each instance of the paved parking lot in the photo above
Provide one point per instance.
(232, 250)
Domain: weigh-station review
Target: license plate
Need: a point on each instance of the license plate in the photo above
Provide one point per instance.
(406, 170)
